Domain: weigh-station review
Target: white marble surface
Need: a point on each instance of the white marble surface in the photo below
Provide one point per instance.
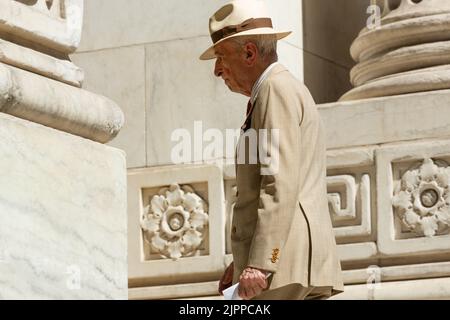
(58, 105)
(181, 89)
(40, 63)
(400, 272)
(288, 15)
(357, 251)
(60, 32)
(143, 80)
(291, 57)
(63, 222)
(181, 291)
(385, 120)
(110, 23)
(427, 289)
(348, 158)
(120, 75)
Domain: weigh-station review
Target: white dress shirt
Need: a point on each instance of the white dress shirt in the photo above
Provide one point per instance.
(259, 82)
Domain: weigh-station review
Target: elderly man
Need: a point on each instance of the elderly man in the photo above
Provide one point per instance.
(282, 239)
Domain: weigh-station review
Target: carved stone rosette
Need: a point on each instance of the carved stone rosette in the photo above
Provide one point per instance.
(174, 224)
(422, 200)
(408, 52)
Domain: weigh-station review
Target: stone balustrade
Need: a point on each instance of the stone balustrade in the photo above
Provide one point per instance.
(388, 179)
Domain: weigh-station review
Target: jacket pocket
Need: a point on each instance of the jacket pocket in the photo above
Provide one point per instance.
(243, 227)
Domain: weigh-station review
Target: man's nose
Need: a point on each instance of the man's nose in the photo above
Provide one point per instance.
(218, 69)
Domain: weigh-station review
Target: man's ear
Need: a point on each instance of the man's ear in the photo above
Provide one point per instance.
(251, 52)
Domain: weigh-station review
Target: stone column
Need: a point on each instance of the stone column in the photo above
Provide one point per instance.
(62, 192)
(389, 158)
(409, 52)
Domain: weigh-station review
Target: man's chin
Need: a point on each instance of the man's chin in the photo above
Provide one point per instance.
(232, 89)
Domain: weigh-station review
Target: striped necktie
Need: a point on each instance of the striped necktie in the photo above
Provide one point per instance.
(248, 119)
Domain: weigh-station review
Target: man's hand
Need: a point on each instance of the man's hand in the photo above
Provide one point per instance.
(227, 279)
(251, 283)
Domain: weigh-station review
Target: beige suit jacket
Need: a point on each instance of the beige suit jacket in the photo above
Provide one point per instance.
(281, 222)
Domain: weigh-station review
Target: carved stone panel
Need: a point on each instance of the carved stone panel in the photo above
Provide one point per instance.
(413, 201)
(350, 193)
(342, 197)
(176, 220)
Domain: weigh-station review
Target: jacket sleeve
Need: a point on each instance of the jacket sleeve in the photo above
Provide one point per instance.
(277, 111)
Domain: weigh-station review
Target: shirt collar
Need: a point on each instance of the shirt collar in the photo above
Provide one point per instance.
(259, 82)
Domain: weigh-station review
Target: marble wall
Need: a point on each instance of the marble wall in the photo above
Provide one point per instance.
(131, 55)
(62, 215)
(144, 55)
(63, 222)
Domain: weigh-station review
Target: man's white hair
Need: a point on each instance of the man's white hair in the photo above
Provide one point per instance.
(266, 44)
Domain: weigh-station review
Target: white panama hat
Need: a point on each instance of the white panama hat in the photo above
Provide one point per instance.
(240, 18)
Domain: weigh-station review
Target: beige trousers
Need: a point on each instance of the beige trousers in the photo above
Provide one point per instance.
(296, 292)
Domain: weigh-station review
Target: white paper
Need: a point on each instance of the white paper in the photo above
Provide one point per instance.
(232, 293)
